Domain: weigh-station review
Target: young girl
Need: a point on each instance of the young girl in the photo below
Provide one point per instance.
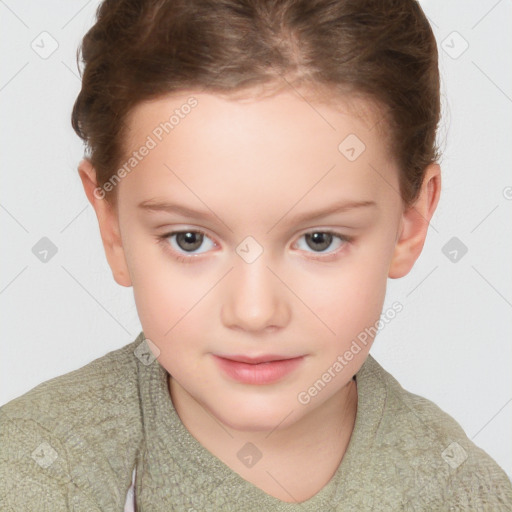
(258, 169)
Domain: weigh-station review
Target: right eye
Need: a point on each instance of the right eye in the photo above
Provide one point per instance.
(183, 243)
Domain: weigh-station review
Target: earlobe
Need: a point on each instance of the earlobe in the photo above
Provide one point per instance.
(108, 223)
(414, 224)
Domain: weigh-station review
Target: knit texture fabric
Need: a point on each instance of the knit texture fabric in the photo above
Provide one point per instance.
(73, 443)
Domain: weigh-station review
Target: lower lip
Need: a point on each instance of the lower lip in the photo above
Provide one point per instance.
(262, 373)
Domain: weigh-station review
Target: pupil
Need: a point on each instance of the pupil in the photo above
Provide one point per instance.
(323, 239)
(190, 238)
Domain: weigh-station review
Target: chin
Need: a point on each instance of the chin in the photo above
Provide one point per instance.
(256, 419)
(248, 425)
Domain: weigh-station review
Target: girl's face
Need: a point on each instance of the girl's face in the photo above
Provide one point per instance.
(268, 261)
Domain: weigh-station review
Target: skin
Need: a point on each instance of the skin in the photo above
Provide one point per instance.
(256, 163)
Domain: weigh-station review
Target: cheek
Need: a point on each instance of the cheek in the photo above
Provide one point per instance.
(351, 299)
(164, 291)
(167, 302)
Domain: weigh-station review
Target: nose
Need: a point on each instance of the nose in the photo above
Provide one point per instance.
(254, 299)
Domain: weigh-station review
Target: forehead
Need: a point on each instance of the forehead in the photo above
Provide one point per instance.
(266, 147)
(320, 101)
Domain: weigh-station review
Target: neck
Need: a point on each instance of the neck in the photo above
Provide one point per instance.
(317, 440)
(325, 429)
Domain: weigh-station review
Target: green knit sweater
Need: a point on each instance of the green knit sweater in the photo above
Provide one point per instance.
(73, 443)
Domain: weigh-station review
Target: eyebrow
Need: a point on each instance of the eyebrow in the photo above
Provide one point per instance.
(153, 205)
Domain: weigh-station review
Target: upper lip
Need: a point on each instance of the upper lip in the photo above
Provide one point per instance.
(258, 359)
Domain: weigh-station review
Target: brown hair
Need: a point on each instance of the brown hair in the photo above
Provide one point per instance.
(382, 50)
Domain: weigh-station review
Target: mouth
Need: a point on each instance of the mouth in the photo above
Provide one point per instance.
(267, 358)
(257, 370)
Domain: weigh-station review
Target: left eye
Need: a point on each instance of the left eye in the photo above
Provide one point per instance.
(321, 240)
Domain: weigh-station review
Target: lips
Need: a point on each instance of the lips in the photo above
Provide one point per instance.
(258, 370)
(257, 360)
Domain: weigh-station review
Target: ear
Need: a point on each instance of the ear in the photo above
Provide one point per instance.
(414, 224)
(109, 224)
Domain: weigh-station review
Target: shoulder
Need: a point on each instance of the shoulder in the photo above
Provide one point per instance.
(431, 457)
(73, 436)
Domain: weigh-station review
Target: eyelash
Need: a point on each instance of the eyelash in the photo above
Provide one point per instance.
(163, 240)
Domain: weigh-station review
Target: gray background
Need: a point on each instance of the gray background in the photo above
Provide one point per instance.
(450, 344)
